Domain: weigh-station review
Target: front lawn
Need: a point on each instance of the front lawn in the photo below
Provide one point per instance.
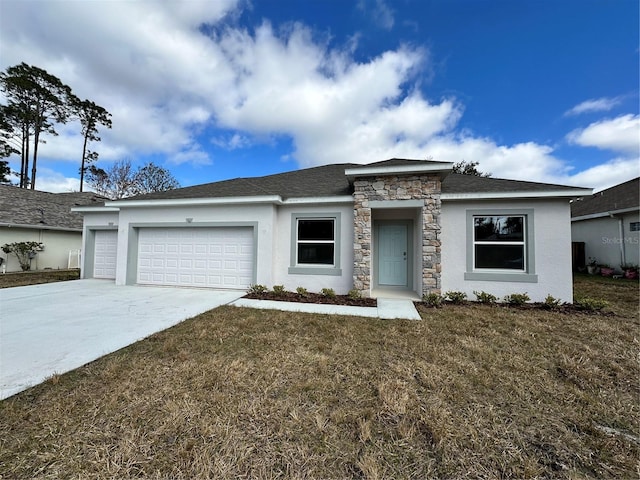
(471, 391)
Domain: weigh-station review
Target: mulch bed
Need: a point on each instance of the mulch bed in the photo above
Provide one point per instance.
(314, 298)
(565, 308)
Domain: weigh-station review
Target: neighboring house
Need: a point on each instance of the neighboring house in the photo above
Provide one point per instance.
(608, 223)
(30, 215)
(401, 227)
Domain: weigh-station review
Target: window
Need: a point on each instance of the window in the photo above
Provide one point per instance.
(315, 244)
(499, 243)
(316, 241)
(634, 227)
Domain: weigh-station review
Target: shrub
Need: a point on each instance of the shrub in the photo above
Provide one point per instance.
(432, 299)
(302, 291)
(456, 297)
(484, 297)
(354, 294)
(257, 289)
(24, 251)
(517, 299)
(551, 302)
(328, 292)
(279, 290)
(591, 304)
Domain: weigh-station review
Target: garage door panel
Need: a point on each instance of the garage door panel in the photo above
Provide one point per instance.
(202, 257)
(105, 254)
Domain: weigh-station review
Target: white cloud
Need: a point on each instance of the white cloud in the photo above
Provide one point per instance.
(194, 155)
(232, 142)
(594, 105)
(51, 181)
(166, 82)
(620, 134)
(384, 15)
(608, 174)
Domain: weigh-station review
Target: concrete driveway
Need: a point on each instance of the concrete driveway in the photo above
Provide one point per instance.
(57, 327)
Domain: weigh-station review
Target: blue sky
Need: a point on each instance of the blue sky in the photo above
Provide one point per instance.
(535, 90)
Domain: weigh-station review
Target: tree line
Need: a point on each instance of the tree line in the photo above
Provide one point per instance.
(121, 180)
(36, 102)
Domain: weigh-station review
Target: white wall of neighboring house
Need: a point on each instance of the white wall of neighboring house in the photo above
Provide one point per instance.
(285, 244)
(57, 245)
(552, 243)
(604, 241)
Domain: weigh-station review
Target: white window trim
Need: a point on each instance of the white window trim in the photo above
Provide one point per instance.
(528, 275)
(296, 268)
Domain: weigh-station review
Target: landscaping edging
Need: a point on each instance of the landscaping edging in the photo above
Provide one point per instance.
(313, 298)
(326, 309)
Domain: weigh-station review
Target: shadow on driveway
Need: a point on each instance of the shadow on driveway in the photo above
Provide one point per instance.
(57, 327)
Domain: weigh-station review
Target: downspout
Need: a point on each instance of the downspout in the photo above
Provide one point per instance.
(623, 257)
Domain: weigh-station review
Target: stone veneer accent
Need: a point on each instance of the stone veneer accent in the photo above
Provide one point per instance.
(397, 187)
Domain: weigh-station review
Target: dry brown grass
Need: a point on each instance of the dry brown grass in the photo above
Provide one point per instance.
(20, 279)
(470, 392)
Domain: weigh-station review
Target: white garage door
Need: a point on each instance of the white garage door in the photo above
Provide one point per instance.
(104, 260)
(219, 257)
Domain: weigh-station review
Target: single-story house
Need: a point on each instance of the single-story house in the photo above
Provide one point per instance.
(404, 226)
(34, 216)
(608, 225)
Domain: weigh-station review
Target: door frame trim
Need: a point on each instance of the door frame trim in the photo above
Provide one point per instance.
(376, 253)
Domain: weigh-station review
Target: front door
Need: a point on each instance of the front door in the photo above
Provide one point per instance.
(392, 256)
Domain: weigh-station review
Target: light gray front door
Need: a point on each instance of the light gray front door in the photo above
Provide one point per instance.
(392, 257)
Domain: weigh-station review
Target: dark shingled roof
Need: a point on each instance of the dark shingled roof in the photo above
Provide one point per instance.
(21, 206)
(330, 180)
(325, 181)
(621, 197)
(458, 183)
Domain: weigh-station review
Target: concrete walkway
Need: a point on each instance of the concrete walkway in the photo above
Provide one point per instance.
(388, 308)
(57, 327)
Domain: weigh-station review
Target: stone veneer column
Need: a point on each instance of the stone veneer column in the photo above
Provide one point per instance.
(401, 187)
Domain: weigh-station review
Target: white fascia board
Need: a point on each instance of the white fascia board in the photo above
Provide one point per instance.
(400, 169)
(41, 227)
(515, 195)
(82, 209)
(605, 214)
(318, 200)
(186, 202)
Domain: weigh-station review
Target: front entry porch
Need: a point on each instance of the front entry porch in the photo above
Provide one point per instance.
(395, 260)
(396, 232)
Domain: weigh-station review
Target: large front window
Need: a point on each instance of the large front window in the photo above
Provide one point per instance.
(499, 243)
(316, 241)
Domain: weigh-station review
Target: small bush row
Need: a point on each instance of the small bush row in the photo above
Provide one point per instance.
(280, 291)
(455, 297)
(514, 299)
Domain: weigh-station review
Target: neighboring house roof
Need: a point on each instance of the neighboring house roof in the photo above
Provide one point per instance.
(620, 198)
(21, 207)
(331, 181)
